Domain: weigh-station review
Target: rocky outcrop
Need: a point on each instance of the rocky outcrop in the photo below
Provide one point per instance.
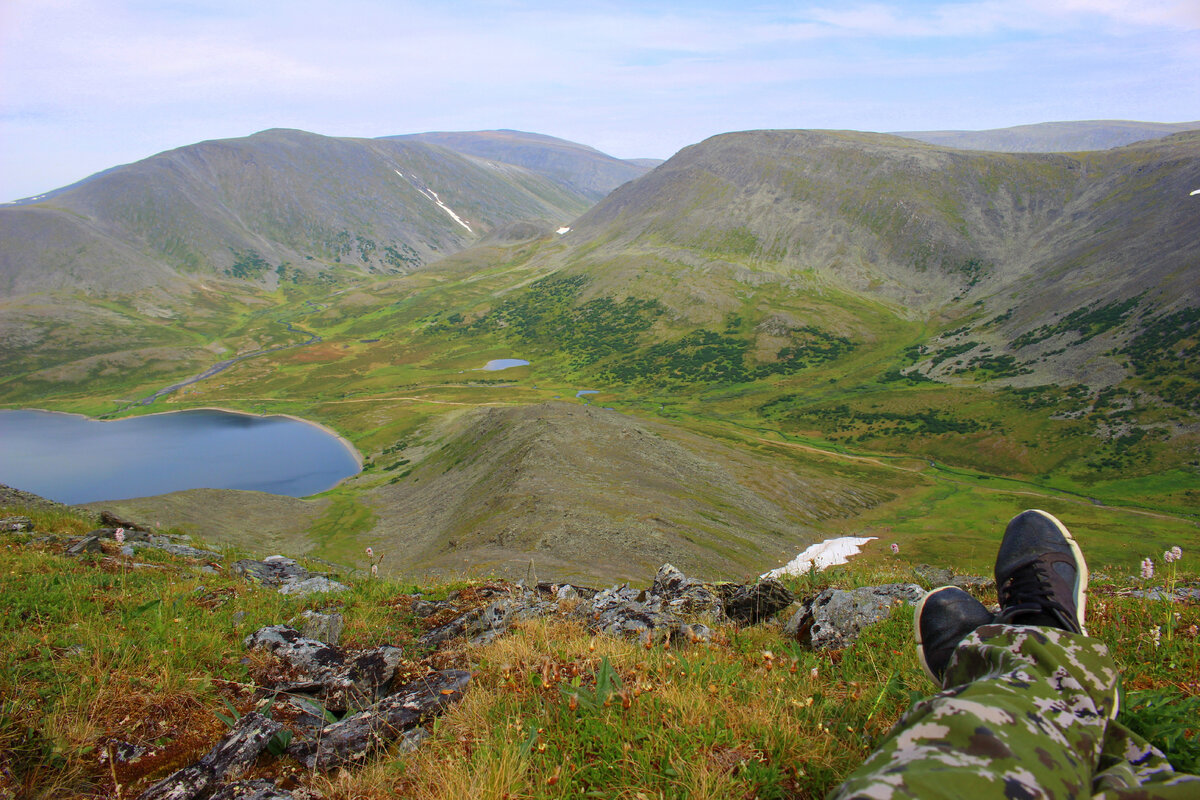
(834, 618)
(141, 539)
(341, 680)
(286, 576)
(324, 682)
(674, 609)
(17, 524)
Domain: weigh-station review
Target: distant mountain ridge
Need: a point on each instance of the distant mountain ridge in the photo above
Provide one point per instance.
(278, 203)
(1054, 137)
(574, 166)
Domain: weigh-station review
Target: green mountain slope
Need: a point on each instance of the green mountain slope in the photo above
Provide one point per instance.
(1032, 239)
(279, 205)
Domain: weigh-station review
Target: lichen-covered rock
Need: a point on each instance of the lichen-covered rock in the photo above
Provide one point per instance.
(325, 628)
(252, 790)
(88, 544)
(271, 571)
(484, 625)
(685, 595)
(835, 617)
(286, 575)
(354, 738)
(229, 759)
(341, 680)
(174, 548)
(624, 612)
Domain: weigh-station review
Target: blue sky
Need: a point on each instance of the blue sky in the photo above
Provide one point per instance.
(88, 84)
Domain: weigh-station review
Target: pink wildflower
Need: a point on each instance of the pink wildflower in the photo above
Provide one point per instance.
(120, 536)
(374, 570)
(895, 548)
(1176, 553)
(370, 553)
(1147, 569)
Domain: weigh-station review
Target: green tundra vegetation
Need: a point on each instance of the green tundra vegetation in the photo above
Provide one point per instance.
(102, 648)
(809, 365)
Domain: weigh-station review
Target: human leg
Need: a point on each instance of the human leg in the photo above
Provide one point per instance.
(1024, 717)
(1026, 709)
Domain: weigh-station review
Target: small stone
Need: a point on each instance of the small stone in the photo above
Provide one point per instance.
(252, 790)
(121, 751)
(325, 628)
(16, 524)
(88, 544)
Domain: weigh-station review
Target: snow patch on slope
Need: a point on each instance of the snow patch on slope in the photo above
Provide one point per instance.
(430, 194)
(821, 555)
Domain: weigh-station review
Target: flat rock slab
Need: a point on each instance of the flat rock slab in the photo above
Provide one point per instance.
(229, 759)
(356, 737)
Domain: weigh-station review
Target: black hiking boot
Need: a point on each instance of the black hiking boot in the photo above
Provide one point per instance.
(1041, 576)
(943, 618)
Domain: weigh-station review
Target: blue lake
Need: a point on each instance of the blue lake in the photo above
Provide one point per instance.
(74, 459)
(504, 363)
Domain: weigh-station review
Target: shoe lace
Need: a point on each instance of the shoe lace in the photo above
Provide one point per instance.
(1030, 589)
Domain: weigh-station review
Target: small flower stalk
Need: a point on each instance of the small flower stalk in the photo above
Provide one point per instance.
(1171, 558)
(1170, 573)
(374, 562)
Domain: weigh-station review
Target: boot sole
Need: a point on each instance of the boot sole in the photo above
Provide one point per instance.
(1081, 578)
(917, 635)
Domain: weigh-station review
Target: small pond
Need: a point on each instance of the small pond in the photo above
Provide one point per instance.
(73, 459)
(504, 363)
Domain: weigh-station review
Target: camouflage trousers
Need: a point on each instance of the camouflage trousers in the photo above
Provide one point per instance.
(1028, 714)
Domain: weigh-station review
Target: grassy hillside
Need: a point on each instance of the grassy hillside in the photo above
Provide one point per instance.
(104, 653)
(274, 208)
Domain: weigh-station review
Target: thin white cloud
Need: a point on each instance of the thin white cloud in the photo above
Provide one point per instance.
(644, 79)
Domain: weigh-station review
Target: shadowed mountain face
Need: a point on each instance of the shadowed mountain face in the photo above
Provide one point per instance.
(575, 167)
(1053, 137)
(277, 204)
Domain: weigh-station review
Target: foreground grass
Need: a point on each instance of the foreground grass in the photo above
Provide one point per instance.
(99, 651)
